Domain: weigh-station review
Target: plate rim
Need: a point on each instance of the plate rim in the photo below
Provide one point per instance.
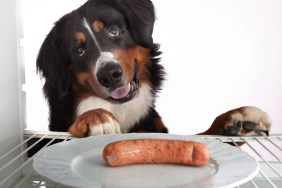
(38, 159)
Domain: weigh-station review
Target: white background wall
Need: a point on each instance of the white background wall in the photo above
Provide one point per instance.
(218, 55)
(10, 94)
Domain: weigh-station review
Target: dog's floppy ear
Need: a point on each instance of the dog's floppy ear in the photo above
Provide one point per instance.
(140, 16)
(53, 67)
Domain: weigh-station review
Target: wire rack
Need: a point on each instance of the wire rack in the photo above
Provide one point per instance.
(16, 168)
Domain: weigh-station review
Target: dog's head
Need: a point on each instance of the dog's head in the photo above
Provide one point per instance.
(102, 48)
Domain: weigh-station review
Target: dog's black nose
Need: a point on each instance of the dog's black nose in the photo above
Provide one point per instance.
(110, 75)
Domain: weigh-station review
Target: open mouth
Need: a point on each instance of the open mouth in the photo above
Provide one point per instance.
(126, 93)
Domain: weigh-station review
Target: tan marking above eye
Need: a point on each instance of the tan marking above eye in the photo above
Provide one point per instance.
(80, 37)
(98, 25)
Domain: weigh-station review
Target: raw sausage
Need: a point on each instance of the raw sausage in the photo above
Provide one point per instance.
(164, 151)
(140, 151)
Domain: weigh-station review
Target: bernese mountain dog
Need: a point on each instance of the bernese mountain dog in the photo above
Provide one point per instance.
(102, 74)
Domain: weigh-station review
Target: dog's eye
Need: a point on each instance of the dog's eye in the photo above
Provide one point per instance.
(114, 31)
(80, 51)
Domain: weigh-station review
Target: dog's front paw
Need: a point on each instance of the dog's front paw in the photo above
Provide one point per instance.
(244, 121)
(95, 122)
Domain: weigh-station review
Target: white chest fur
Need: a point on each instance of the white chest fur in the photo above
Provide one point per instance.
(127, 114)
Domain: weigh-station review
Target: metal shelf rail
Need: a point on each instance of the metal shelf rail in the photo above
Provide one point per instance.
(266, 150)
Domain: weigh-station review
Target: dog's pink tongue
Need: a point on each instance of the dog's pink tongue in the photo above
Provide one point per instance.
(120, 92)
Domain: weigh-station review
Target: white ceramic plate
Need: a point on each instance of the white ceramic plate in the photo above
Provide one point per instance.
(79, 163)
